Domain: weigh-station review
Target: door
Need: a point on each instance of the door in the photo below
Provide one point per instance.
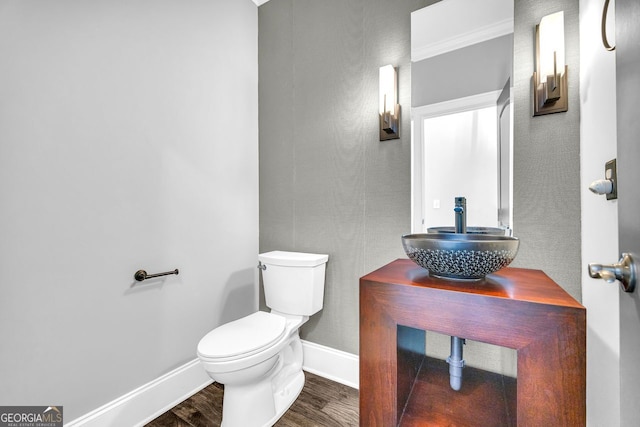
(628, 126)
(505, 137)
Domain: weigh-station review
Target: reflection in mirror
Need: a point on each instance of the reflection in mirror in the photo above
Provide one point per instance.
(461, 113)
(458, 152)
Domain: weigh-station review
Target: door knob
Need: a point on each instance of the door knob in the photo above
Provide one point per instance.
(625, 271)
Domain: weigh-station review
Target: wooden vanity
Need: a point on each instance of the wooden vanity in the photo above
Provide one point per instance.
(516, 308)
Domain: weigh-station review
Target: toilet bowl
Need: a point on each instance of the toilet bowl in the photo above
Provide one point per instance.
(259, 357)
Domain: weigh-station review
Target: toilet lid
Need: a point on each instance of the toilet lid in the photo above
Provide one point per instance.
(245, 335)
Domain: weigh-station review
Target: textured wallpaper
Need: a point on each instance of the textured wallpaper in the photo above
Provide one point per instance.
(328, 185)
(546, 205)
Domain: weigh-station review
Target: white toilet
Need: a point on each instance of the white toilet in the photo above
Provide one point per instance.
(258, 358)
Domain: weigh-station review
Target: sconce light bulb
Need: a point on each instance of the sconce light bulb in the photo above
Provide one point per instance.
(388, 85)
(551, 41)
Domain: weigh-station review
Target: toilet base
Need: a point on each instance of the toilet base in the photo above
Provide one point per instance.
(257, 405)
(262, 403)
(285, 398)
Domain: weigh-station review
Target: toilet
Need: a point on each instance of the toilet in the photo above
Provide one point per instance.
(258, 358)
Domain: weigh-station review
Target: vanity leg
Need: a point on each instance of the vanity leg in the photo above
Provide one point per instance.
(378, 363)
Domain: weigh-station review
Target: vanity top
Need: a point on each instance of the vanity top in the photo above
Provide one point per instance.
(512, 283)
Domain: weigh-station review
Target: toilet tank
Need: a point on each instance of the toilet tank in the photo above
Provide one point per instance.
(293, 281)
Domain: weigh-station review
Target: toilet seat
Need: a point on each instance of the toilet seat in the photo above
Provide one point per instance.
(242, 337)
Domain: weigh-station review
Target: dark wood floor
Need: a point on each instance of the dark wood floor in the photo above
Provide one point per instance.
(321, 403)
(486, 399)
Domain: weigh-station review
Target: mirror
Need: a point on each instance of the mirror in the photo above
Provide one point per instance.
(461, 69)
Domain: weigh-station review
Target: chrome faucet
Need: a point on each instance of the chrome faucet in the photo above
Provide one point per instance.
(460, 210)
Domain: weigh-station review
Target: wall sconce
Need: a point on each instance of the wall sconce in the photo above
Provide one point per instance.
(550, 78)
(389, 107)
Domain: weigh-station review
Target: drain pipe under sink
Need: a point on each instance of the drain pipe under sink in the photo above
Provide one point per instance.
(456, 363)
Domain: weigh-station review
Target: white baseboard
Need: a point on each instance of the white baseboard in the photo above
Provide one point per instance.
(335, 365)
(145, 403)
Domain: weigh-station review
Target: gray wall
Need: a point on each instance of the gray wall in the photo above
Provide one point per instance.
(112, 159)
(479, 68)
(546, 205)
(327, 184)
